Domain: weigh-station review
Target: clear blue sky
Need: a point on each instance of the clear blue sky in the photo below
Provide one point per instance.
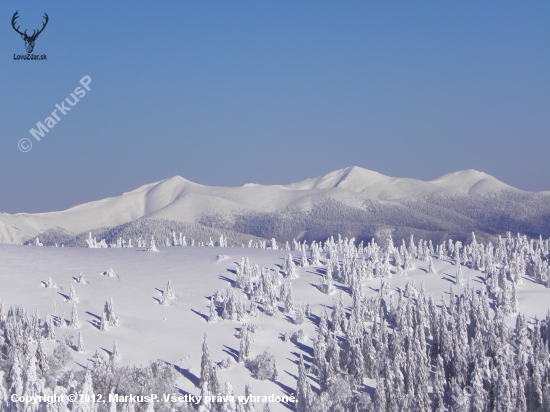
(231, 92)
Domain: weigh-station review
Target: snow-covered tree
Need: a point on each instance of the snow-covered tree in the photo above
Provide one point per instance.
(115, 355)
(153, 246)
(80, 345)
(72, 295)
(74, 317)
(303, 389)
(300, 316)
(169, 291)
(459, 278)
(263, 366)
(213, 316)
(244, 347)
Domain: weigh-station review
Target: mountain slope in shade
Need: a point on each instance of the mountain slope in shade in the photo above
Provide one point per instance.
(353, 200)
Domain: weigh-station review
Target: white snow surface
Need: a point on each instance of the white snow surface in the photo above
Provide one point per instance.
(174, 333)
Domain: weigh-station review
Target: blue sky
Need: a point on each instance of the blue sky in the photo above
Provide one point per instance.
(226, 93)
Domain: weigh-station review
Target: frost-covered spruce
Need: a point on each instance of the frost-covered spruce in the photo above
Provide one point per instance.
(103, 322)
(115, 355)
(459, 277)
(208, 376)
(213, 316)
(80, 345)
(15, 375)
(338, 315)
(315, 254)
(304, 395)
(41, 357)
(74, 317)
(153, 246)
(288, 300)
(81, 279)
(299, 318)
(50, 331)
(303, 260)
(431, 267)
(35, 327)
(253, 310)
(110, 315)
(72, 295)
(249, 406)
(169, 291)
(244, 346)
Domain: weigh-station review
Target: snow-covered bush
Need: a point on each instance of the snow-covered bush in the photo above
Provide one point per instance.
(263, 366)
(298, 336)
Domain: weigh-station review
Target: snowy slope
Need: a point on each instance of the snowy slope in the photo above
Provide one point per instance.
(472, 182)
(174, 333)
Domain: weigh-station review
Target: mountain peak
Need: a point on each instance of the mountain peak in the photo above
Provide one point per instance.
(471, 182)
(351, 178)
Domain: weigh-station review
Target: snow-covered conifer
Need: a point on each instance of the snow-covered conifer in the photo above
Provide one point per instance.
(303, 389)
(32, 385)
(115, 355)
(15, 376)
(249, 406)
(303, 260)
(80, 345)
(307, 310)
(288, 300)
(459, 277)
(208, 373)
(74, 317)
(72, 295)
(50, 331)
(244, 348)
(86, 392)
(299, 318)
(103, 321)
(169, 292)
(338, 315)
(153, 247)
(110, 311)
(438, 385)
(41, 357)
(213, 316)
(229, 405)
(431, 267)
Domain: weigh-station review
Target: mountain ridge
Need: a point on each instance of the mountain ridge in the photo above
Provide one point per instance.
(371, 195)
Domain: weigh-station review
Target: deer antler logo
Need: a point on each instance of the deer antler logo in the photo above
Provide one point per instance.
(29, 40)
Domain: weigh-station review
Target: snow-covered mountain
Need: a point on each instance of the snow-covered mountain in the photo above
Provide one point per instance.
(352, 201)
